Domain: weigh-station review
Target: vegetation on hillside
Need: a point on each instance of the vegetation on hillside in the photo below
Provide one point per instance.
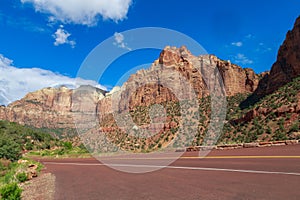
(15, 139)
(272, 118)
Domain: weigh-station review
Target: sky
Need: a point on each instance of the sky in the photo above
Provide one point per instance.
(46, 42)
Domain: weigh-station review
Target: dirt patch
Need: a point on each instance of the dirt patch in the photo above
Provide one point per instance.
(40, 188)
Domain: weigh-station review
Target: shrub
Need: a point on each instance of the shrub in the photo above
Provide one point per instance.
(269, 130)
(294, 127)
(22, 177)
(11, 192)
(68, 145)
(83, 149)
(9, 149)
(29, 146)
(279, 135)
(61, 151)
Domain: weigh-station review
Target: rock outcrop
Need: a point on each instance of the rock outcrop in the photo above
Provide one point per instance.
(52, 108)
(236, 79)
(287, 65)
(175, 75)
(178, 74)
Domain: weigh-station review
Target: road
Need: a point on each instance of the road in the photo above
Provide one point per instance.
(254, 173)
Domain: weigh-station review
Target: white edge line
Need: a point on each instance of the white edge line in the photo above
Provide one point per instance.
(177, 167)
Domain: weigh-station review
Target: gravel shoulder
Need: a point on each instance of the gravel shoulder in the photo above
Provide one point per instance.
(40, 188)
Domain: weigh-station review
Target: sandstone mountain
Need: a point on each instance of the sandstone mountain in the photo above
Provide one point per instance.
(49, 108)
(53, 107)
(175, 76)
(287, 66)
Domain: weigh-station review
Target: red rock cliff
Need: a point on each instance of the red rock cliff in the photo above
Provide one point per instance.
(287, 65)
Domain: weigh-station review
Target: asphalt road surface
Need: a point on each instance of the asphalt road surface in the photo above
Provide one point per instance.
(253, 173)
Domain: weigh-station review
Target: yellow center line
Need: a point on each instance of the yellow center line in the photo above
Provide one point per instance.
(203, 157)
(235, 157)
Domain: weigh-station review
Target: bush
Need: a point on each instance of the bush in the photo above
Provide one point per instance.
(279, 135)
(11, 192)
(29, 146)
(68, 145)
(9, 149)
(83, 149)
(22, 177)
(294, 127)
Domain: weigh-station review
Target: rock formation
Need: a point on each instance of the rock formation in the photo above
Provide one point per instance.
(175, 74)
(287, 65)
(51, 108)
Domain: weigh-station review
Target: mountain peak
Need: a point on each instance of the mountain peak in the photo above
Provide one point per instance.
(287, 66)
(173, 55)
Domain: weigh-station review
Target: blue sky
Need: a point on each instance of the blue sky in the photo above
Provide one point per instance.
(57, 37)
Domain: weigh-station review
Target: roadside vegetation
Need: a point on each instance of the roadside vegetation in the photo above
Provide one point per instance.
(272, 118)
(13, 174)
(17, 144)
(66, 149)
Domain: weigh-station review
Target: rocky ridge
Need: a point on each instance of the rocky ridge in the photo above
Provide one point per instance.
(287, 65)
(176, 75)
(54, 108)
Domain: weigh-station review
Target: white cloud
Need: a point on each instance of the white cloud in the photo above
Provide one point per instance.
(237, 44)
(242, 59)
(61, 36)
(119, 41)
(82, 11)
(263, 48)
(119, 38)
(15, 82)
(249, 36)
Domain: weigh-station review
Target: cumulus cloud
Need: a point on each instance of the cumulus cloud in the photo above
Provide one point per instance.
(242, 59)
(15, 82)
(61, 36)
(82, 11)
(119, 41)
(237, 44)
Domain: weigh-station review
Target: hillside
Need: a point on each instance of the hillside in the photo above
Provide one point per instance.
(56, 109)
(149, 110)
(15, 139)
(274, 117)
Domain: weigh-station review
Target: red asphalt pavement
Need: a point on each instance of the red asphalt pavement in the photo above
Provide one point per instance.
(271, 173)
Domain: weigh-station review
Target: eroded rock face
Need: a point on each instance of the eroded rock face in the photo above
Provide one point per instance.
(287, 65)
(236, 79)
(44, 108)
(176, 75)
(47, 108)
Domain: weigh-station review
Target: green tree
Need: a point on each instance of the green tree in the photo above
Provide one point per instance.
(9, 149)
